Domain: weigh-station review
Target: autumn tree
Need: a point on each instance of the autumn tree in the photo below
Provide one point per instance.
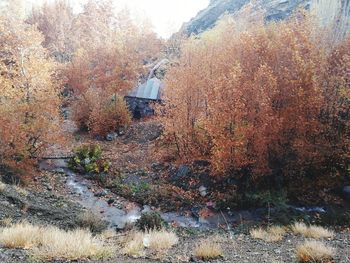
(55, 20)
(111, 51)
(29, 102)
(256, 100)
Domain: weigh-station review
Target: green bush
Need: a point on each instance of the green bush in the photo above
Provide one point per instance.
(140, 188)
(88, 159)
(150, 221)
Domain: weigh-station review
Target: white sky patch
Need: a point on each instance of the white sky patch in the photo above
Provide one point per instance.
(167, 16)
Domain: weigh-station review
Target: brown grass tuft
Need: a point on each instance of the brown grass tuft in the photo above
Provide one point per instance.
(271, 234)
(134, 246)
(2, 187)
(156, 241)
(311, 231)
(312, 251)
(208, 249)
(21, 235)
(52, 242)
(7, 221)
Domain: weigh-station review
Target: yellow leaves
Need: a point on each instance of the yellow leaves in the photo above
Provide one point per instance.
(29, 100)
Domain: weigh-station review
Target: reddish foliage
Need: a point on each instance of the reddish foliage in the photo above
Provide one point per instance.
(263, 99)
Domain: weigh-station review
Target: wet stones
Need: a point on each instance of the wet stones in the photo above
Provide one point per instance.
(111, 136)
(202, 191)
(101, 194)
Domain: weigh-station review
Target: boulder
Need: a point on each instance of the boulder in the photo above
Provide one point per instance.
(179, 176)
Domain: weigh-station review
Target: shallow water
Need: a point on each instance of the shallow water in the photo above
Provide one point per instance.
(80, 189)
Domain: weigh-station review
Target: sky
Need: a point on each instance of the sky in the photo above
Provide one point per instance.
(167, 16)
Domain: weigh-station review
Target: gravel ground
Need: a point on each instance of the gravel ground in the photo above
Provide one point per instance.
(240, 248)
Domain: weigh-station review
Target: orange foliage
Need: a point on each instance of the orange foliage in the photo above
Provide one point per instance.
(103, 54)
(29, 101)
(253, 98)
(55, 21)
(110, 53)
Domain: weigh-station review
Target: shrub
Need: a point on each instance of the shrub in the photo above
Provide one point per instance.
(314, 252)
(311, 231)
(208, 249)
(88, 159)
(101, 114)
(269, 121)
(150, 221)
(92, 222)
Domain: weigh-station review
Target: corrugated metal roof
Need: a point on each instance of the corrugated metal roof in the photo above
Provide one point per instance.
(149, 90)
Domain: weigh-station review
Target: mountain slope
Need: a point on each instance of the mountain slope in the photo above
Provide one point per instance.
(275, 10)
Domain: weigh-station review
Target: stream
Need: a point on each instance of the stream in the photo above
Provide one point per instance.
(81, 191)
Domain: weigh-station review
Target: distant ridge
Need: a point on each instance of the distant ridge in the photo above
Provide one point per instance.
(328, 10)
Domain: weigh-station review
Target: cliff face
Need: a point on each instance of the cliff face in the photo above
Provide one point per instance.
(275, 10)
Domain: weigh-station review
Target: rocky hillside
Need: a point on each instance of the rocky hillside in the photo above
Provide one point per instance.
(275, 10)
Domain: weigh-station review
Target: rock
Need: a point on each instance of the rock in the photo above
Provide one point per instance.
(201, 163)
(195, 211)
(110, 201)
(49, 187)
(275, 10)
(86, 161)
(183, 172)
(111, 136)
(205, 178)
(146, 209)
(346, 193)
(203, 191)
(158, 166)
(101, 194)
(60, 171)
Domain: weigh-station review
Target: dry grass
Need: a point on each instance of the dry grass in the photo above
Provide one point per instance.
(21, 190)
(7, 221)
(108, 234)
(271, 234)
(160, 240)
(156, 241)
(314, 252)
(208, 249)
(311, 231)
(2, 187)
(72, 245)
(134, 246)
(52, 242)
(21, 235)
